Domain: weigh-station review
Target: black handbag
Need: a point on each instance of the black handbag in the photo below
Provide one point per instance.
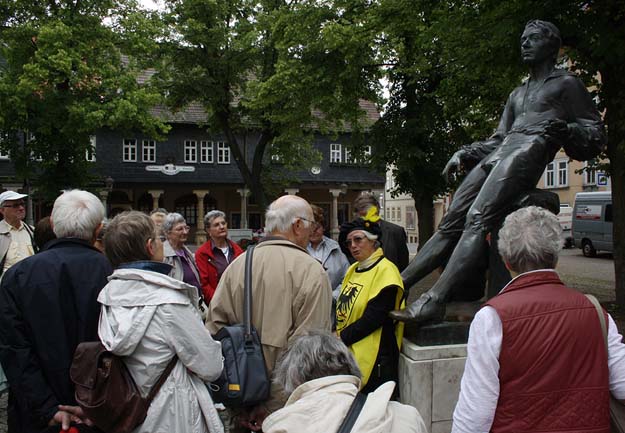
(244, 380)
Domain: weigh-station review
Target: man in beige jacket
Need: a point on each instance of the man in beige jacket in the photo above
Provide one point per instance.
(290, 290)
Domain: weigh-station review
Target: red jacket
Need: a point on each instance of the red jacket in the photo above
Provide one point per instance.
(553, 374)
(208, 272)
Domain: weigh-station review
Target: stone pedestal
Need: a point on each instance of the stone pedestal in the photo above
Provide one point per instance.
(429, 379)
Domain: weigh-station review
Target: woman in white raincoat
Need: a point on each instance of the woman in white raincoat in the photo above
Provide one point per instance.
(148, 317)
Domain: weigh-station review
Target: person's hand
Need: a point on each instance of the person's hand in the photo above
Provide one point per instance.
(68, 414)
(61, 417)
(254, 419)
(557, 130)
(453, 165)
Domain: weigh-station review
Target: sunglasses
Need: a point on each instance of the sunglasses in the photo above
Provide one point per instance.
(15, 205)
(354, 240)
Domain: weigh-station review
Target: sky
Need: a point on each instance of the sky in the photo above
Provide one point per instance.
(151, 4)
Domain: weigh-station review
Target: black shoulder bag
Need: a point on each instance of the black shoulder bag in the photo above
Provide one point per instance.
(352, 413)
(244, 380)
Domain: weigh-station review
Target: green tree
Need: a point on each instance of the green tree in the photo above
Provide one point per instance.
(63, 76)
(269, 72)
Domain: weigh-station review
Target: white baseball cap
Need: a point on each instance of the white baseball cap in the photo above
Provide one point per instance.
(10, 195)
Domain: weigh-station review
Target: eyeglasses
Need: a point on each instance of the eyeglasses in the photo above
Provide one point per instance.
(15, 205)
(355, 240)
(307, 220)
(182, 229)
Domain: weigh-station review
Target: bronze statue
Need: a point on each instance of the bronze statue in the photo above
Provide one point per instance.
(552, 109)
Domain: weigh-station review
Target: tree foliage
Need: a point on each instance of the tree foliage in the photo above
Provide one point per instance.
(63, 76)
(271, 72)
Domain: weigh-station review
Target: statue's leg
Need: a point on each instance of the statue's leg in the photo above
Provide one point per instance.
(436, 251)
(511, 174)
(440, 246)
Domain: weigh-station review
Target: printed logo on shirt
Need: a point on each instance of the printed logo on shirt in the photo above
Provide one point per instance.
(345, 303)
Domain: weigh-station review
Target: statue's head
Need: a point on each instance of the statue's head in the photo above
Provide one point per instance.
(540, 41)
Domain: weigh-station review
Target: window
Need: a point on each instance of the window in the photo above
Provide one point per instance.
(4, 154)
(223, 153)
(149, 151)
(335, 153)
(410, 217)
(348, 156)
(187, 207)
(90, 152)
(590, 176)
(367, 153)
(557, 174)
(129, 150)
(608, 213)
(190, 151)
(206, 152)
(563, 173)
(398, 214)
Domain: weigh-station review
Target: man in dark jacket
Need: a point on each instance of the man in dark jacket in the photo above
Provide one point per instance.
(47, 307)
(393, 238)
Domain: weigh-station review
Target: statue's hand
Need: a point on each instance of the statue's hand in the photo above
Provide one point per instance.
(453, 165)
(557, 131)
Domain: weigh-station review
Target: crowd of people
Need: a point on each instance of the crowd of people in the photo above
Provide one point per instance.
(324, 324)
(132, 283)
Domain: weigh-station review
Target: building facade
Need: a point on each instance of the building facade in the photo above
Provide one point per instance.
(193, 171)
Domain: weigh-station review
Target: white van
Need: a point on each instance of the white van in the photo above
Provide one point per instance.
(592, 222)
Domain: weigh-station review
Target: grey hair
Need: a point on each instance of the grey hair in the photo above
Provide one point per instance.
(210, 215)
(365, 201)
(371, 237)
(312, 356)
(76, 214)
(530, 239)
(171, 220)
(283, 212)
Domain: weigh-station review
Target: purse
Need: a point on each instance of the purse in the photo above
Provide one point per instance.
(106, 391)
(617, 409)
(244, 381)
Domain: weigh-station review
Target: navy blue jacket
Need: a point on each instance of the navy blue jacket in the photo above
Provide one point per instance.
(48, 305)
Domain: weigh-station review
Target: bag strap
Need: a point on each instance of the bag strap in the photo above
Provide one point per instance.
(161, 380)
(247, 281)
(352, 413)
(604, 329)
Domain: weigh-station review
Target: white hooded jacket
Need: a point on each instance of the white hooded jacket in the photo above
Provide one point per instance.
(320, 405)
(148, 317)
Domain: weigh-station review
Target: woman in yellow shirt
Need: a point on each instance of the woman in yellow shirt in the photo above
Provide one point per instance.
(371, 289)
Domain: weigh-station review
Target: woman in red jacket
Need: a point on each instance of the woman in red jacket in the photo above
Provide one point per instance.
(214, 256)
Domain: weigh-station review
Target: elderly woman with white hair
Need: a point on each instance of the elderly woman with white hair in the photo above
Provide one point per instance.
(537, 358)
(322, 378)
(371, 289)
(176, 252)
(214, 256)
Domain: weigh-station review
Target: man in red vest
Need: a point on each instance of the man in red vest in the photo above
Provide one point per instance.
(536, 354)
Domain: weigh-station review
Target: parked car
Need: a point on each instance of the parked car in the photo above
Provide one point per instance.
(592, 222)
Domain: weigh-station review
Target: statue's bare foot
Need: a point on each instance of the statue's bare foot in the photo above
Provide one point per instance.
(424, 309)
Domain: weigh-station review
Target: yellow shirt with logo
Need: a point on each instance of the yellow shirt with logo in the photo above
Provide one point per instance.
(357, 290)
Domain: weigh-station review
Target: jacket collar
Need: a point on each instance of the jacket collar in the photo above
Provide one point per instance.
(66, 242)
(531, 278)
(148, 265)
(169, 251)
(278, 240)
